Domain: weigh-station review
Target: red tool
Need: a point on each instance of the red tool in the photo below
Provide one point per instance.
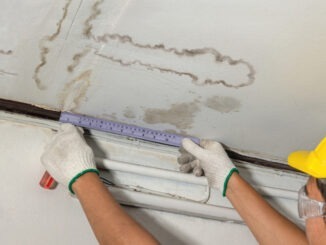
(47, 181)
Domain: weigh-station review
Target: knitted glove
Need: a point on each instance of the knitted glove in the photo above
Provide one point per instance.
(210, 157)
(67, 156)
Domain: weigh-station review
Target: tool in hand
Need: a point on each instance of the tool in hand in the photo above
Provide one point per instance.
(123, 129)
(47, 181)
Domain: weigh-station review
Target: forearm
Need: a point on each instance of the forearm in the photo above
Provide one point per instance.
(110, 223)
(267, 225)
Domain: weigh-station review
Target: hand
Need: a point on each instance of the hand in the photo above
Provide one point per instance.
(212, 158)
(68, 156)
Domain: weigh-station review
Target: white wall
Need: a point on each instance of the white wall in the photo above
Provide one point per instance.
(128, 61)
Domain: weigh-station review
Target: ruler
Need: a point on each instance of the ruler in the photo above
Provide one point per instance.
(118, 128)
(124, 129)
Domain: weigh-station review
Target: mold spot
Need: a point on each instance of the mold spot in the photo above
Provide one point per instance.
(223, 104)
(180, 115)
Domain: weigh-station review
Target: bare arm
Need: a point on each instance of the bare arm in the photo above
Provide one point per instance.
(267, 225)
(110, 223)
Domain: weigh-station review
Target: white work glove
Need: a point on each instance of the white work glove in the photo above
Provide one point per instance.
(67, 156)
(209, 156)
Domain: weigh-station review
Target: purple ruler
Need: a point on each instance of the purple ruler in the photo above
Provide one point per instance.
(124, 129)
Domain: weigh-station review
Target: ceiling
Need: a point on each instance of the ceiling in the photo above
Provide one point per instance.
(250, 74)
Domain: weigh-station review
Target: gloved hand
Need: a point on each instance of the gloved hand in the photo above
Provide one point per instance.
(67, 156)
(212, 158)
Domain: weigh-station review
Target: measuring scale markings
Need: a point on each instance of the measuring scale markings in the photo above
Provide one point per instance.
(124, 129)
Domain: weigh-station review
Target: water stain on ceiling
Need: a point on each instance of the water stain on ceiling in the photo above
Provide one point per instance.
(96, 11)
(181, 62)
(223, 104)
(129, 113)
(5, 72)
(112, 116)
(77, 59)
(75, 91)
(180, 115)
(142, 56)
(44, 49)
(161, 48)
(6, 52)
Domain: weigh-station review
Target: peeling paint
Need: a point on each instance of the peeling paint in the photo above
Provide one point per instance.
(192, 53)
(75, 91)
(180, 115)
(44, 50)
(95, 12)
(8, 52)
(223, 104)
(76, 59)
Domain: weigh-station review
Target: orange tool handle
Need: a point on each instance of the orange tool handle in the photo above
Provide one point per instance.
(47, 182)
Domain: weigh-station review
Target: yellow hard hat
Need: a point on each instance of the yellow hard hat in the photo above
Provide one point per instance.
(310, 162)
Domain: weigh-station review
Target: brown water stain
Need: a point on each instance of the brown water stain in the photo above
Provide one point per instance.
(128, 113)
(76, 59)
(112, 116)
(146, 65)
(8, 52)
(44, 50)
(170, 131)
(180, 132)
(218, 58)
(95, 12)
(223, 104)
(180, 115)
(74, 91)
(7, 73)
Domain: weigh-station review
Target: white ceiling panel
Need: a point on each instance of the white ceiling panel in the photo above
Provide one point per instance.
(250, 74)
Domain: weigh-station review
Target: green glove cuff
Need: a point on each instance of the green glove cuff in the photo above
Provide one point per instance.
(72, 181)
(227, 180)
